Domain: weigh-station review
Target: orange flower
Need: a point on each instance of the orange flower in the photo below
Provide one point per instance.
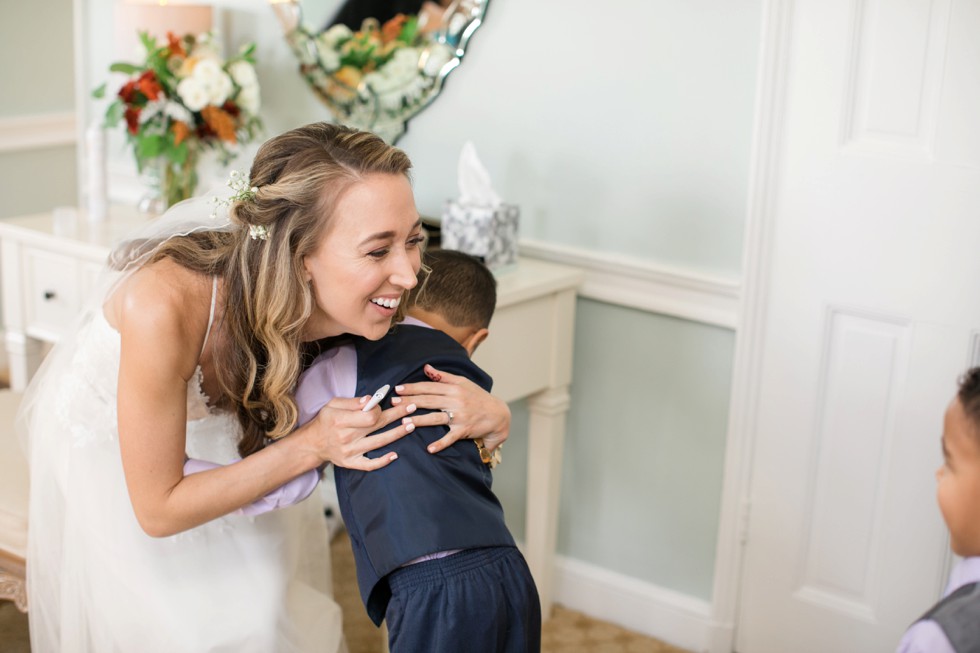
(220, 122)
(175, 46)
(392, 28)
(180, 130)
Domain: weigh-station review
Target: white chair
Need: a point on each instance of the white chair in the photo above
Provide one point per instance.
(13, 505)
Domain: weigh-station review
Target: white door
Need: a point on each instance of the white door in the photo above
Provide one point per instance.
(873, 309)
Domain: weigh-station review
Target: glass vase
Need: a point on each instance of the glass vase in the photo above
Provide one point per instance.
(168, 182)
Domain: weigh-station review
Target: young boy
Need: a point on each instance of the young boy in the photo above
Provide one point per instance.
(953, 624)
(434, 557)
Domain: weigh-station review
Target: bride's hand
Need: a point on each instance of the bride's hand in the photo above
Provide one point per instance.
(338, 434)
(469, 410)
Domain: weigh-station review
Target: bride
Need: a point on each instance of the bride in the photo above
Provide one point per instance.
(192, 354)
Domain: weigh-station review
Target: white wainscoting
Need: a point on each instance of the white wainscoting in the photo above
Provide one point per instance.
(646, 286)
(667, 615)
(37, 131)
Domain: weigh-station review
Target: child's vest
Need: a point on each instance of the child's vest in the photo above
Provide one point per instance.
(959, 616)
(421, 503)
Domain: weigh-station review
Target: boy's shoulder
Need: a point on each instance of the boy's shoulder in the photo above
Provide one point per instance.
(407, 348)
(953, 623)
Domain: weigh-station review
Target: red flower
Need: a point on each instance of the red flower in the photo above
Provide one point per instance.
(132, 116)
(149, 86)
(127, 91)
(231, 108)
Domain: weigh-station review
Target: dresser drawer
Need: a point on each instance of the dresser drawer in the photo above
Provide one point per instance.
(54, 284)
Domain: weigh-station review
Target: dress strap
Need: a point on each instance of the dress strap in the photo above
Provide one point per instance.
(214, 295)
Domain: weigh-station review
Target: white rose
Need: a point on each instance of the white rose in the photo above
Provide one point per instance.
(151, 110)
(177, 111)
(336, 34)
(248, 99)
(219, 89)
(329, 58)
(193, 93)
(243, 73)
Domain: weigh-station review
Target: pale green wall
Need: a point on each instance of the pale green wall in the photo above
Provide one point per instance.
(620, 127)
(36, 77)
(641, 488)
(36, 63)
(33, 181)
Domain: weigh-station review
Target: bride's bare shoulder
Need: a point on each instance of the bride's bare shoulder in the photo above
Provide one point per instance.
(162, 293)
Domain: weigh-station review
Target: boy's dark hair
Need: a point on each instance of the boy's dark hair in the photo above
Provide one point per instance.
(969, 396)
(459, 287)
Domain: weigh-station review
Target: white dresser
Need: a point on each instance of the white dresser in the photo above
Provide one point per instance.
(48, 268)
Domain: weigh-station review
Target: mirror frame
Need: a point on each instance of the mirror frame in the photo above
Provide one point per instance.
(375, 102)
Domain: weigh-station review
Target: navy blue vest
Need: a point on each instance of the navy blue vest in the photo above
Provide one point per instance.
(422, 503)
(959, 616)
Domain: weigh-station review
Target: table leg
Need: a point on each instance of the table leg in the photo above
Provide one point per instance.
(546, 442)
(24, 357)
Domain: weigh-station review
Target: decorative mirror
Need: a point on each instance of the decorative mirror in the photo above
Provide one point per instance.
(376, 71)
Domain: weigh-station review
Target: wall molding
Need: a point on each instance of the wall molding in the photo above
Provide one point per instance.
(671, 616)
(767, 141)
(37, 131)
(639, 284)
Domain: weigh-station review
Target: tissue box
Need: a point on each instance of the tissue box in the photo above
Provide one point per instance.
(485, 231)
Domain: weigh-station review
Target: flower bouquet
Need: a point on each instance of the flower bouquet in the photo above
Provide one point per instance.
(375, 76)
(181, 100)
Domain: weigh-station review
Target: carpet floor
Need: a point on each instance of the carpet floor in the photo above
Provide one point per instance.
(566, 631)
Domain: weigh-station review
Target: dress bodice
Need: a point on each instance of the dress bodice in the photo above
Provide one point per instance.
(211, 434)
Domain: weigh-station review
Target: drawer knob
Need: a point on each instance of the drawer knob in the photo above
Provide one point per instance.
(49, 294)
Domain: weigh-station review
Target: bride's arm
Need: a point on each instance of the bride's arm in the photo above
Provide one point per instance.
(475, 412)
(160, 346)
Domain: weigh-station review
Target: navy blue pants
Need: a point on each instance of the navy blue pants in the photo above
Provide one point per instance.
(474, 601)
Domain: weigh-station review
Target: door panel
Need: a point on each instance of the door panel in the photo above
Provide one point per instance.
(873, 310)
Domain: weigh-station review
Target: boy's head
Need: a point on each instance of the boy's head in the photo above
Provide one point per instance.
(457, 296)
(958, 479)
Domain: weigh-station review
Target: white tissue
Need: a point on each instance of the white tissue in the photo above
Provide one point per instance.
(474, 180)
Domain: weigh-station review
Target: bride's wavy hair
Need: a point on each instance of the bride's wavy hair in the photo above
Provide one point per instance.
(300, 176)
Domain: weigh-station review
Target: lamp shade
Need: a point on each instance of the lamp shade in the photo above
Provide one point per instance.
(156, 17)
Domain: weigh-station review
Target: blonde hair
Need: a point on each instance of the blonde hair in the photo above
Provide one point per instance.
(300, 176)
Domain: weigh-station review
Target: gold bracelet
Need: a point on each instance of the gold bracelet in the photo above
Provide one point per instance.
(490, 458)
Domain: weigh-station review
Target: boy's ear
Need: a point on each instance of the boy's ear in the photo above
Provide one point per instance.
(474, 339)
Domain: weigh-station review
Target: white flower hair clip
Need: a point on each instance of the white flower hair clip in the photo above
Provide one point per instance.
(238, 183)
(258, 232)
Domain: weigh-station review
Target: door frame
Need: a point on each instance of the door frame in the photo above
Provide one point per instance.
(772, 82)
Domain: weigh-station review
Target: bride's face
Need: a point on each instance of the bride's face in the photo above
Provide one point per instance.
(367, 258)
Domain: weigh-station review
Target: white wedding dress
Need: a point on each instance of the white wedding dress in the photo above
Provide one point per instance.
(98, 584)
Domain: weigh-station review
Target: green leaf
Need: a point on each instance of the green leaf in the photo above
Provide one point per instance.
(409, 30)
(178, 153)
(127, 68)
(149, 42)
(99, 93)
(114, 113)
(148, 147)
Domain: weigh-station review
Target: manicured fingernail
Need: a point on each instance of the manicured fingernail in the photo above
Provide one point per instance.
(399, 388)
(409, 427)
(411, 408)
(393, 456)
(407, 420)
(362, 399)
(396, 400)
(432, 448)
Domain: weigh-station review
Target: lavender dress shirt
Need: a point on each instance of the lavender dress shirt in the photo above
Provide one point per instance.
(926, 636)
